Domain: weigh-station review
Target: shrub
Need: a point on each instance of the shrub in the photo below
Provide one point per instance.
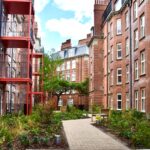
(24, 140)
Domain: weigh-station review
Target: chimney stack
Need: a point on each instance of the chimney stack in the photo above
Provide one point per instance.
(66, 45)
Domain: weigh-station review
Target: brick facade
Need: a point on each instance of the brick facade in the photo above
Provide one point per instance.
(121, 59)
(75, 68)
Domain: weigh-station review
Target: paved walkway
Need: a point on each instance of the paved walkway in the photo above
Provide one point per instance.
(81, 135)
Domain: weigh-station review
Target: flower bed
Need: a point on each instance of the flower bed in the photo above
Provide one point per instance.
(131, 126)
(36, 131)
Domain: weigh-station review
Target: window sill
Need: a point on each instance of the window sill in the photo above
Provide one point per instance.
(127, 55)
(119, 59)
(126, 28)
(119, 34)
(144, 74)
(142, 38)
(135, 49)
(136, 80)
(135, 19)
(141, 3)
(118, 84)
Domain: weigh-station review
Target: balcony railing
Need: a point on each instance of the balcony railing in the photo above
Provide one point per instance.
(18, 70)
(14, 29)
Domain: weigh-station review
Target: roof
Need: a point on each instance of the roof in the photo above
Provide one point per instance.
(72, 52)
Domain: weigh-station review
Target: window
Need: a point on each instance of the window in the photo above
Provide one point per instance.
(136, 39)
(112, 54)
(63, 67)
(118, 26)
(112, 77)
(73, 76)
(119, 51)
(118, 5)
(143, 100)
(111, 30)
(142, 26)
(73, 64)
(127, 19)
(119, 101)
(127, 73)
(68, 65)
(68, 76)
(127, 46)
(127, 101)
(58, 68)
(136, 97)
(142, 63)
(135, 13)
(119, 76)
(136, 70)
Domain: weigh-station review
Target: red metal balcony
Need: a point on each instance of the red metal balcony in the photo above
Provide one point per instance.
(17, 73)
(21, 7)
(14, 35)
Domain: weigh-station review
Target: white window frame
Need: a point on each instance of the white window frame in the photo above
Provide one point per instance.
(119, 27)
(73, 64)
(119, 75)
(127, 74)
(119, 50)
(142, 26)
(143, 62)
(127, 46)
(136, 70)
(127, 101)
(135, 10)
(112, 54)
(119, 100)
(73, 76)
(127, 19)
(111, 30)
(136, 39)
(143, 100)
(112, 77)
(136, 97)
(68, 65)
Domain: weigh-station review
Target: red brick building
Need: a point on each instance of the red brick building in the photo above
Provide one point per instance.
(75, 68)
(120, 48)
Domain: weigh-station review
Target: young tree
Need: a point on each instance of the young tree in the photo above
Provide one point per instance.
(54, 84)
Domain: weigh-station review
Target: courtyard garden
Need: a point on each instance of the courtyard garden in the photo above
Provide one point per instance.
(39, 130)
(129, 126)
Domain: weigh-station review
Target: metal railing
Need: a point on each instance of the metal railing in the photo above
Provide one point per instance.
(18, 70)
(15, 29)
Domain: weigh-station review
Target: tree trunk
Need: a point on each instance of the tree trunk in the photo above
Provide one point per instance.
(58, 97)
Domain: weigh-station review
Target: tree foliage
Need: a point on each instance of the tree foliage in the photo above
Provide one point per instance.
(54, 84)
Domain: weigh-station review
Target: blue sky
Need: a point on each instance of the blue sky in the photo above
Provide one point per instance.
(60, 20)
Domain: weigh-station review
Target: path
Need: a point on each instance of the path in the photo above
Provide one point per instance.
(81, 135)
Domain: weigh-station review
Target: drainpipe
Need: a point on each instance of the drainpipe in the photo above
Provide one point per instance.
(107, 65)
(0, 15)
(131, 79)
(11, 67)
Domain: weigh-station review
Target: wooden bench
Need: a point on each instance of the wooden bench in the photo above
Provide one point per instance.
(104, 113)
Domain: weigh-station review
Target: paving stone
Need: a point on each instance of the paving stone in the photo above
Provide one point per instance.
(81, 135)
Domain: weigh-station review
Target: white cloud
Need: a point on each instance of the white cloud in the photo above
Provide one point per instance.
(81, 8)
(69, 28)
(40, 5)
(74, 27)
